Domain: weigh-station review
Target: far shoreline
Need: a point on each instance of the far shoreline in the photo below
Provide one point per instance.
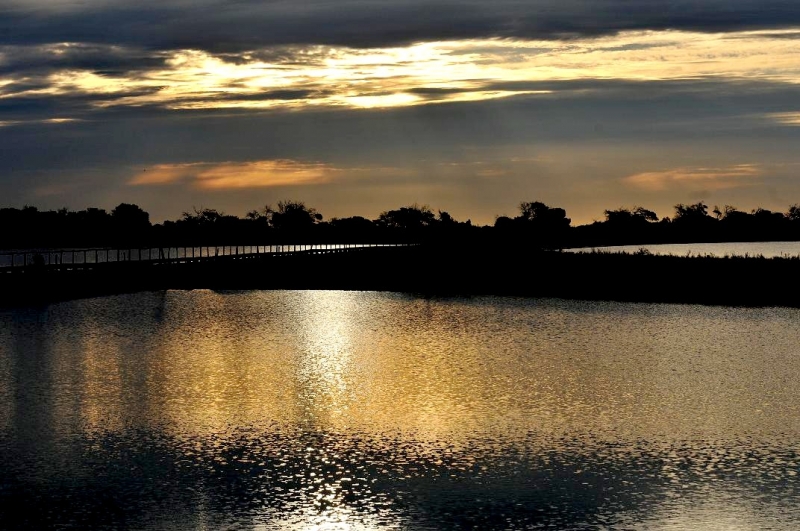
(719, 249)
(448, 270)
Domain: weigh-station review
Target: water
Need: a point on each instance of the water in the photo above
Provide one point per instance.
(347, 410)
(765, 249)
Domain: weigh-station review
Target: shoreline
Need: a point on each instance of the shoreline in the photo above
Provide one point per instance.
(445, 270)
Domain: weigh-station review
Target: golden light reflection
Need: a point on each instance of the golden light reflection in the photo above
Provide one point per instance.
(352, 362)
(429, 72)
(209, 376)
(338, 519)
(101, 391)
(352, 410)
(325, 328)
(723, 509)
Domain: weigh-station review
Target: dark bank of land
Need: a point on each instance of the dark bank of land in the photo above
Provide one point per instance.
(536, 225)
(514, 256)
(445, 270)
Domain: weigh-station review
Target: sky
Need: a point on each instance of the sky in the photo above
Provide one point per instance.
(360, 106)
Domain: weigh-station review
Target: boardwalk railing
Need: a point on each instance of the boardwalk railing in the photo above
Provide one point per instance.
(11, 261)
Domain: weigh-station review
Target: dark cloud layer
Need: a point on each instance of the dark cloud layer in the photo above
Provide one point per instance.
(221, 26)
(110, 60)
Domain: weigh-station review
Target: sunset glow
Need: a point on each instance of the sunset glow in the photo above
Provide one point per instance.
(435, 72)
(473, 108)
(256, 174)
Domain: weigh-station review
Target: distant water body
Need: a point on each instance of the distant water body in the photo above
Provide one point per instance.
(765, 249)
(361, 410)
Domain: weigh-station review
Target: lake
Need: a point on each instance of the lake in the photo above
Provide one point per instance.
(195, 410)
(765, 249)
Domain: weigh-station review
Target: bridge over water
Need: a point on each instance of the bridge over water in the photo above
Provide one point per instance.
(90, 259)
(444, 267)
(40, 276)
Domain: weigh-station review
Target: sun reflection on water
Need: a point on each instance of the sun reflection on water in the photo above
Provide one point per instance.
(356, 411)
(325, 329)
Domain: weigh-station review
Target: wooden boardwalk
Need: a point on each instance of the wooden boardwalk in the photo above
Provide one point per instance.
(14, 262)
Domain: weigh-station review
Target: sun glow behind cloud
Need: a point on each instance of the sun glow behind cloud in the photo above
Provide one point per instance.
(233, 175)
(697, 178)
(48, 121)
(422, 73)
(786, 118)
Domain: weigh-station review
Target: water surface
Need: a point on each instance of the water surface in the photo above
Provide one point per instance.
(352, 410)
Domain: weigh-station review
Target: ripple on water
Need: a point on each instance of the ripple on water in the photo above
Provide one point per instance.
(347, 410)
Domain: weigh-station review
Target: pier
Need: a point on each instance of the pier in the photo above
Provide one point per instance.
(92, 259)
(42, 276)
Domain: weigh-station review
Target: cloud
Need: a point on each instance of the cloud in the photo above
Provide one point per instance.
(423, 73)
(592, 131)
(48, 121)
(785, 118)
(108, 59)
(235, 175)
(696, 179)
(221, 25)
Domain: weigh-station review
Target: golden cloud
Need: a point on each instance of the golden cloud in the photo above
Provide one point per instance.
(431, 72)
(236, 175)
(696, 178)
(47, 121)
(785, 118)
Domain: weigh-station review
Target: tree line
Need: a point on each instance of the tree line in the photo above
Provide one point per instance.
(536, 224)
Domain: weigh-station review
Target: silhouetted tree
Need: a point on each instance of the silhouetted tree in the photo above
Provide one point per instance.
(128, 215)
(545, 226)
(503, 223)
(293, 216)
(352, 224)
(355, 229)
(202, 217)
(694, 212)
(410, 218)
(537, 225)
(131, 223)
(627, 217)
(446, 219)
